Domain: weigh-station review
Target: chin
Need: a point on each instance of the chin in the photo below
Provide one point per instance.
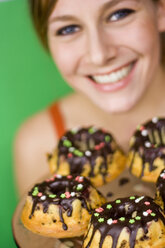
(117, 107)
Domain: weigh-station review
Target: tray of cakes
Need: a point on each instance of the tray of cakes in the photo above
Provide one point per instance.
(91, 199)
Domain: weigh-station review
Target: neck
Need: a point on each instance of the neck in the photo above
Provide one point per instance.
(153, 98)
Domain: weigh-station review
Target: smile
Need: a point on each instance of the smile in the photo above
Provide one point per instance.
(113, 77)
(116, 80)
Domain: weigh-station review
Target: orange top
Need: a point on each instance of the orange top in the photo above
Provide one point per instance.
(57, 119)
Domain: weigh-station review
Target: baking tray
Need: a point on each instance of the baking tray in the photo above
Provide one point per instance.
(123, 186)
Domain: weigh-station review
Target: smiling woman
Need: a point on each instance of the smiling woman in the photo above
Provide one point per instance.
(110, 52)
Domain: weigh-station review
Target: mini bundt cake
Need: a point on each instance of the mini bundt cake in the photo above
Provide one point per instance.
(133, 222)
(160, 190)
(146, 157)
(90, 152)
(61, 206)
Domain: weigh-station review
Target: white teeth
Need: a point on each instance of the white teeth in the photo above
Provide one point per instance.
(113, 77)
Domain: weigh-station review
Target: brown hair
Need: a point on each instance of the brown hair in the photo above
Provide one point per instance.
(42, 9)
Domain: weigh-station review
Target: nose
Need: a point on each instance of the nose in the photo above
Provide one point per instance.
(100, 48)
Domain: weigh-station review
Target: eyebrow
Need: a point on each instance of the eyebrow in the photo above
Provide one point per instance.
(112, 3)
(106, 5)
(62, 18)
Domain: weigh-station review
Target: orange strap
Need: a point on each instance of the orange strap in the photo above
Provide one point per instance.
(57, 119)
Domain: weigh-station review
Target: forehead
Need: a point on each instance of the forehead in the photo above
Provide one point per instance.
(72, 5)
(81, 7)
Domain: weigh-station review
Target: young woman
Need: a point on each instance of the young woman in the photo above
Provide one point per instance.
(111, 53)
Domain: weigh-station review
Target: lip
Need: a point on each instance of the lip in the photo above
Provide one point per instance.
(112, 87)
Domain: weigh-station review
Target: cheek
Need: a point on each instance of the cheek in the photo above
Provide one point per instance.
(143, 38)
(66, 58)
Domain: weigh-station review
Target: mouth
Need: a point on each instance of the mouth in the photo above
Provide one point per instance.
(114, 80)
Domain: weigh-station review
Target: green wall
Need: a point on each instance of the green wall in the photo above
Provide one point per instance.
(29, 81)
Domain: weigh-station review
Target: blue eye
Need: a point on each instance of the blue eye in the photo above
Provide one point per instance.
(120, 14)
(68, 30)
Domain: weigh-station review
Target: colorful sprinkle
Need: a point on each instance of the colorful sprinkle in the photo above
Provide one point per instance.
(58, 176)
(139, 199)
(79, 179)
(102, 144)
(74, 130)
(149, 211)
(99, 210)
(43, 198)
(88, 153)
(91, 130)
(71, 149)
(67, 143)
(107, 138)
(68, 195)
(138, 218)
(132, 198)
(142, 128)
(101, 220)
(52, 196)
(73, 194)
(147, 203)
(114, 221)
(70, 155)
(35, 192)
(97, 147)
(144, 132)
(145, 213)
(109, 206)
(153, 214)
(131, 221)
(109, 222)
(79, 187)
(162, 175)
(138, 127)
(155, 119)
(147, 144)
(39, 194)
(78, 153)
(69, 176)
(96, 214)
(118, 201)
(122, 219)
(63, 196)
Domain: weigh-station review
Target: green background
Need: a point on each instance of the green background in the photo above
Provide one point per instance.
(29, 82)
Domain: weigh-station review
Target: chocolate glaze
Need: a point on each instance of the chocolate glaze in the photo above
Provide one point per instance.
(61, 191)
(123, 181)
(151, 144)
(109, 194)
(130, 213)
(160, 185)
(86, 140)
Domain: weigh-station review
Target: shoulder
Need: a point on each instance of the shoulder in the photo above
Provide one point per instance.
(34, 139)
(39, 130)
(36, 128)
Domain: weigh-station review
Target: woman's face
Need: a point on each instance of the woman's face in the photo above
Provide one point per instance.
(107, 49)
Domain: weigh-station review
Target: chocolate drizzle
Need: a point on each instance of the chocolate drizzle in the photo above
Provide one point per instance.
(84, 146)
(131, 213)
(61, 191)
(149, 143)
